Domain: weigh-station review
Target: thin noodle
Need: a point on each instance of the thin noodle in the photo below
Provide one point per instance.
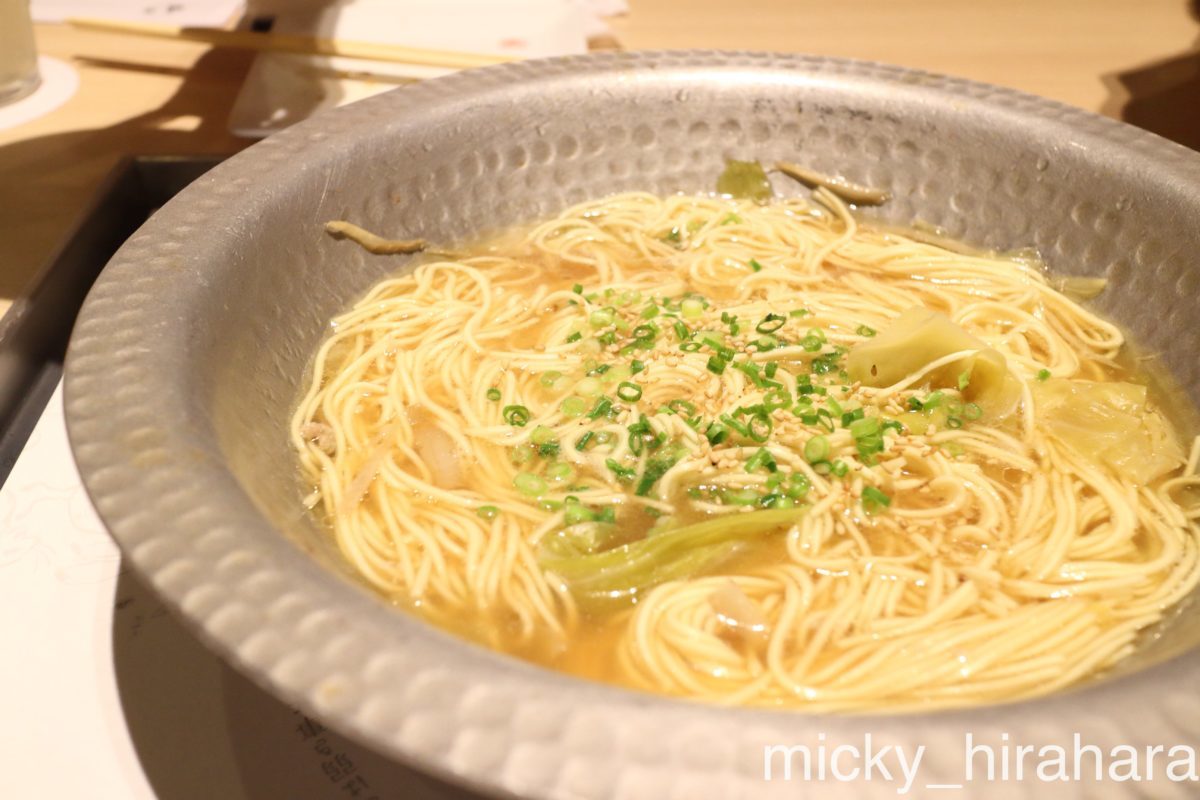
(1007, 565)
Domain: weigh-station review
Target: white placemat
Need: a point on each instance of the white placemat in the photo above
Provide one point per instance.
(105, 695)
(59, 83)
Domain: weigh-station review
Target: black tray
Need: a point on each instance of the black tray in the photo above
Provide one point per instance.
(34, 332)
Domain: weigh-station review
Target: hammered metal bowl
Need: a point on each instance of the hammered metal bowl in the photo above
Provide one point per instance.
(189, 353)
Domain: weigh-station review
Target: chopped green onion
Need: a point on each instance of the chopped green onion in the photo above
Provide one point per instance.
(770, 323)
(954, 423)
(737, 425)
(754, 265)
(824, 365)
(811, 344)
(589, 387)
(776, 399)
(816, 449)
(682, 407)
(964, 379)
(972, 411)
(529, 484)
(550, 378)
(868, 426)
(933, 400)
(716, 365)
(1043, 374)
(761, 458)
(869, 447)
(487, 512)
(798, 485)
(777, 501)
(493, 394)
(716, 433)
(516, 415)
(615, 374)
(602, 317)
(602, 407)
(573, 406)
(915, 404)
(840, 468)
(864, 330)
(574, 513)
(799, 312)
(629, 392)
(751, 370)
(559, 471)
(766, 343)
(874, 501)
(760, 427)
(650, 311)
(583, 440)
(647, 331)
(692, 308)
(577, 288)
(682, 331)
(622, 473)
(636, 366)
(574, 337)
(655, 469)
(740, 497)
(690, 347)
(541, 434)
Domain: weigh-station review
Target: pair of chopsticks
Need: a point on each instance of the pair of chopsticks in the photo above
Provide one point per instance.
(292, 43)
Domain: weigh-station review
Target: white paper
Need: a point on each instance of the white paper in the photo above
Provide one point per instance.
(195, 13)
(282, 89)
(103, 694)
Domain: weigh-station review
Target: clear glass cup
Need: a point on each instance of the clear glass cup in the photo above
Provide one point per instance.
(18, 55)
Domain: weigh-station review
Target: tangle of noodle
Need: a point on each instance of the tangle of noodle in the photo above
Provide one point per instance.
(1007, 565)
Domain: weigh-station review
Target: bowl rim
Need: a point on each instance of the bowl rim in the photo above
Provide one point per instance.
(234, 591)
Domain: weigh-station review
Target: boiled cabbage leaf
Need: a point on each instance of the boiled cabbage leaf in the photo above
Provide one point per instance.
(745, 179)
(919, 337)
(611, 579)
(1109, 423)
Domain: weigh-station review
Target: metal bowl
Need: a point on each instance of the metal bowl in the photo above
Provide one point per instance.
(190, 350)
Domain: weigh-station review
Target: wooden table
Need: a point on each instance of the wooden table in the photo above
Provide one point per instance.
(147, 96)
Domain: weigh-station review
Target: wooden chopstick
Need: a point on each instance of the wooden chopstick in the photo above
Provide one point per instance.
(293, 43)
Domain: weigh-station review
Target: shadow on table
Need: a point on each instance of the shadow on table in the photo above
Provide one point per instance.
(193, 121)
(203, 731)
(1163, 96)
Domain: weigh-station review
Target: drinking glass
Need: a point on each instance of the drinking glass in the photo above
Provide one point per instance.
(18, 55)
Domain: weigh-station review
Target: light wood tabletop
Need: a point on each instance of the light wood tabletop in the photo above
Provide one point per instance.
(1135, 60)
